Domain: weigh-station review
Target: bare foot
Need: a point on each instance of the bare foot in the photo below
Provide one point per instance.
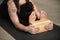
(43, 15)
(49, 26)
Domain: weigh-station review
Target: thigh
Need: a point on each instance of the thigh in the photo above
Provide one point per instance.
(32, 17)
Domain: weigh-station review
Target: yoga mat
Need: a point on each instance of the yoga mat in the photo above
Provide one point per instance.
(21, 35)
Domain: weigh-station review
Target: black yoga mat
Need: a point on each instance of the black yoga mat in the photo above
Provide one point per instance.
(21, 35)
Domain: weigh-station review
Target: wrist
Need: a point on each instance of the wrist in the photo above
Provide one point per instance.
(26, 29)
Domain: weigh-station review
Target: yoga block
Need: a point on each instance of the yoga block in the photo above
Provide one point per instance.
(41, 24)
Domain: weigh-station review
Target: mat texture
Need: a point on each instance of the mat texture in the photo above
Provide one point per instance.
(21, 35)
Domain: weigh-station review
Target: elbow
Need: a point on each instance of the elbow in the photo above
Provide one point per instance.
(16, 23)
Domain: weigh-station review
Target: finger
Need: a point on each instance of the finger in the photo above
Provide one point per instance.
(32, 31)
(32, 26)
(37, 30)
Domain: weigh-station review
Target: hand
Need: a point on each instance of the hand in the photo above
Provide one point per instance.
(33, 29)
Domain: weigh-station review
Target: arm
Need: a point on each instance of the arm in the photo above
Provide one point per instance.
(13, 15)
(14, 18)
(35, 9)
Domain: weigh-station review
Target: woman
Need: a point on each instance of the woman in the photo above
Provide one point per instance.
(22, 12)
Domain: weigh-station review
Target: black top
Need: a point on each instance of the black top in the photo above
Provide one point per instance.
(25, 11)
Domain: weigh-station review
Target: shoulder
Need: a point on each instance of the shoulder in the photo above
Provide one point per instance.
(30, 0)
(11, 4)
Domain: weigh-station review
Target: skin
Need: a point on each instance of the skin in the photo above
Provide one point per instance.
(14, 17)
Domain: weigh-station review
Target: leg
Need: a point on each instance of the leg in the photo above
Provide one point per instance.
(43, 15)
(32, 17)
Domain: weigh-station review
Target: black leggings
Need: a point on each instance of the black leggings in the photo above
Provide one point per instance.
(21, 35)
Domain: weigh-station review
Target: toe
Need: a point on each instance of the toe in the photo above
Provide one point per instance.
(43, 14)
(49, 26)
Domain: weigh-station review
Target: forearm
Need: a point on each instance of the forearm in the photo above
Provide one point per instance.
(15, 21)
(36, 9)
(12, 10)
(20, 26)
